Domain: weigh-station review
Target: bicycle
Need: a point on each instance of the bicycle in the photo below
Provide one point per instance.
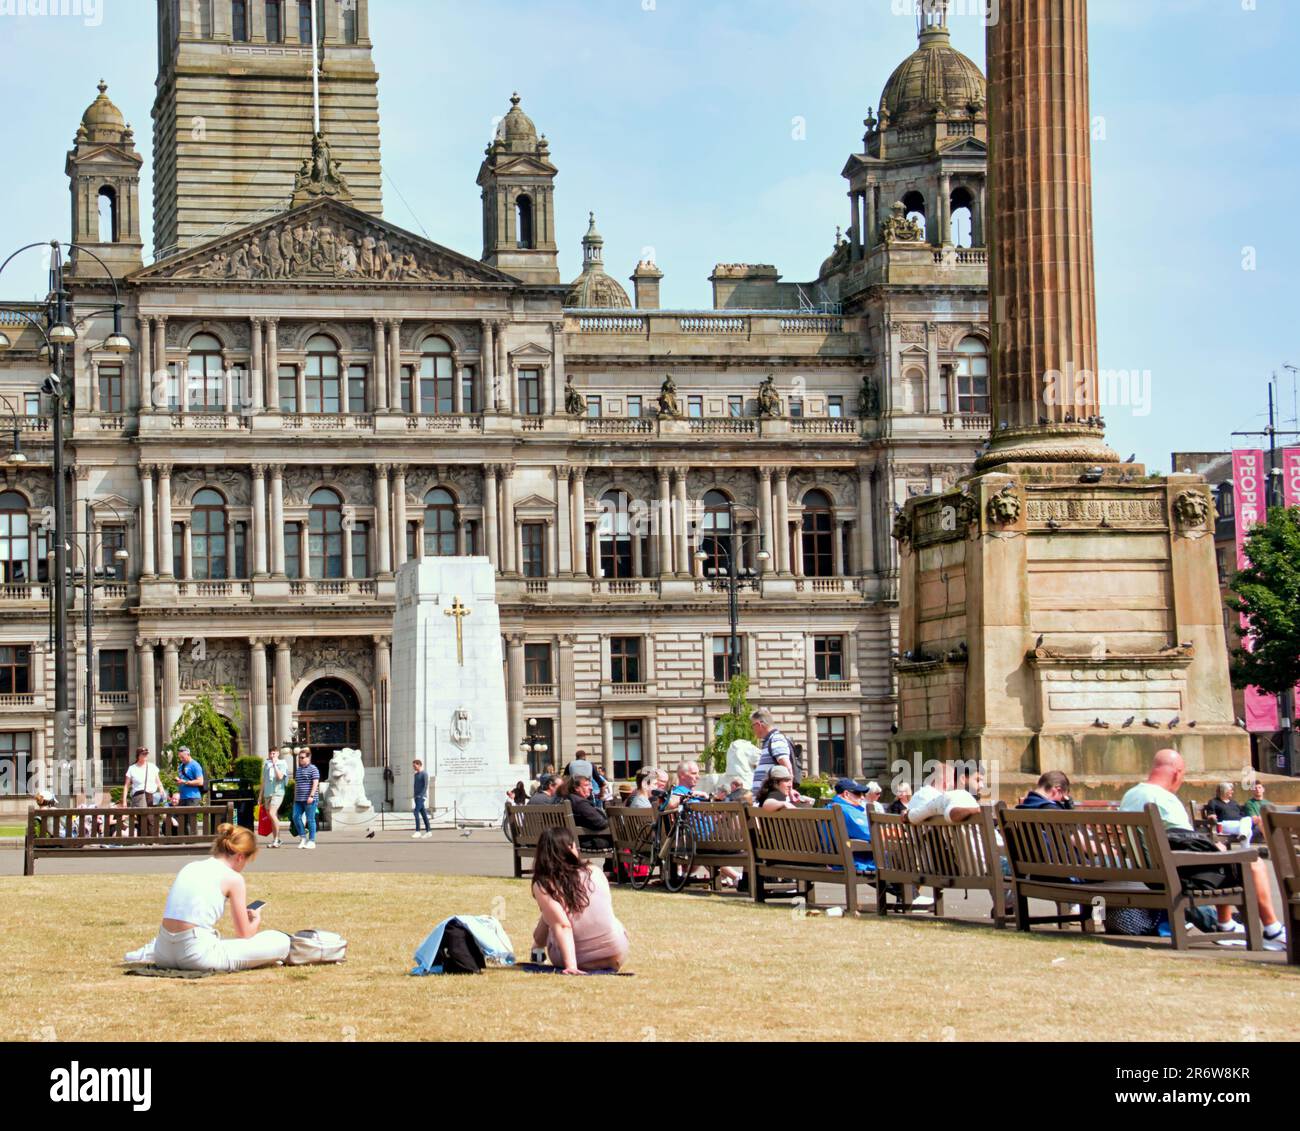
(668, 842)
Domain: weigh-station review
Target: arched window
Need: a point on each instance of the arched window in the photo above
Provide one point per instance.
(914, 202)
(972, 376)
(961, 211)
(439, 524)
(108, 228)
(717, 536)
(818, 535)
(15, 539)
(324, 391)
(524, 222)
(204, 368)
(437, 377)
(209, 537)
(614, 530)
(329, 718)
(325, 534)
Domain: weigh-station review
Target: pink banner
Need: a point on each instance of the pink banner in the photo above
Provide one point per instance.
(1291, 498)
(1250, 499)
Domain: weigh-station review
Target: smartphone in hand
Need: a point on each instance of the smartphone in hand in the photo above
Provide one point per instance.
(257, 905)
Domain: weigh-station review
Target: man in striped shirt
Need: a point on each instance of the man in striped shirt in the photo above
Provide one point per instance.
(306, 791)
(774, 748)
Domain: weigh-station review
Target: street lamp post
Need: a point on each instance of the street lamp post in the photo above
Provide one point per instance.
(733, 579)
(534, 742)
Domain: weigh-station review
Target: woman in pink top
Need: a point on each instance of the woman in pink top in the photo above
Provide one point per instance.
(577, 926)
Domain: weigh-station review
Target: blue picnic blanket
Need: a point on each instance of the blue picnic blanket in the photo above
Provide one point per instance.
(485, 930)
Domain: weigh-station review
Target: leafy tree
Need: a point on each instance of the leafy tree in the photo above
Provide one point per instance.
(205, 732)
(732, 727)
(1268, 597)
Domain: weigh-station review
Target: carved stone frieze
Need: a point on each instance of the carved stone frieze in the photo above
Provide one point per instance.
(334, 653)
(210, 664)
(1093, 510)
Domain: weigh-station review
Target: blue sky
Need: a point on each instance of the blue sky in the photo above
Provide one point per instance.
(675, 120)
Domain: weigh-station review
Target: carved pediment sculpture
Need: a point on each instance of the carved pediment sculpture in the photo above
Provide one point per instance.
(897, 228)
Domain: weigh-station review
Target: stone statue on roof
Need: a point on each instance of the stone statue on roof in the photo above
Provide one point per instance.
(668, 405)
(769, 400)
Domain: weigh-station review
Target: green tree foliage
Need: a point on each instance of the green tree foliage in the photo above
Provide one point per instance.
(1268, 597)
(205, 732)
(732, 727)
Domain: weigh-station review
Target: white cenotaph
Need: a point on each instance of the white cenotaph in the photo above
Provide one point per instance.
(449, 695)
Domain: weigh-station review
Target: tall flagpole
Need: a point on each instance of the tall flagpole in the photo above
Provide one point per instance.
(315, 75)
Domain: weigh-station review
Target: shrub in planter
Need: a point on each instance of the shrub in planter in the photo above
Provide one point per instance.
(248, 769)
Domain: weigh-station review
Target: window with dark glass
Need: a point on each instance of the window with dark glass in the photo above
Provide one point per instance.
(627, 747)
(112, 669)
(625, 659)
(274, 21)
(818, 532)
(530, 392)
(288, 382)
(716, 533)
(358, 378)
(239, 20)
(972, 376)
(292, 550)
(1223, 501)
(439, 524)
(408, 388)
(349, 23)
(537, 665)
(833, 745)
(208, 546)
(114, 754)
(15, 538)
(325, 534)
(614, 532)
(114, 539)
(15, 759)
(204, 376)
(828, 657)
(468, 379)
(437, 377)
(240, 563)
(796, 407)
(361, 549)
(15, 670)
(304, 21)
(533, 536)
(205, 19)
(178, 550)
(110, 388)
(323, 391)
(721, 647)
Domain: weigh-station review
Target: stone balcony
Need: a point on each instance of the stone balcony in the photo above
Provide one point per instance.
(917, 264)
(668, 590)
(159, 592)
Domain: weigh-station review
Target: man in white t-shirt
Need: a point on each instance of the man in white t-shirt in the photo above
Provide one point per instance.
(938, 798)
(141, 784)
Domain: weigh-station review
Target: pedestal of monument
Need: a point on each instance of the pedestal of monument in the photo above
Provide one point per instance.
(1040, 614)
(449, 696)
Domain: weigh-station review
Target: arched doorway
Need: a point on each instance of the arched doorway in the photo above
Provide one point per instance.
(329, 718)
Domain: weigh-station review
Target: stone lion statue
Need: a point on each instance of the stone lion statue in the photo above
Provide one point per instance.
(345, 794)
(1004, 507)
(1192, 509)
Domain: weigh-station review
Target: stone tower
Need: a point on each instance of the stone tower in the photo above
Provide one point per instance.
(233, 110)
(103, 170)
(518, 183)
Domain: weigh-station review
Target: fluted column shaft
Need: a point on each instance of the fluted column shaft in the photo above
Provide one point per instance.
(165, 562)
(665, 523)
(682, 528)
(257, 695)
(148, 528)
(491, 532)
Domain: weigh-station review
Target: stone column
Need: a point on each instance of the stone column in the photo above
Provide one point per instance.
(146, 697)
(1041, 282)
(866, 536)
(382, 533)
(395, 366)
(650, 751)
(171, 686)
(256, 373)
(144, 363)
(945, 211)
(487, 354)
(399, 514)
(552, 548)
(187, 550)
(259, 519)
(607, 746)
(165, 562)
(381, 368)
(566, 738)
(300, 380)
(257, 695)
(665, 522)
(277, 520)
(383, 696)
(557, 374)
(765, 519)
(854, 739)
(638, 566)
(796, 549)
(148, 527)
(503, 369)
(837, 548)
(681, 527)
(94, 386)
(508, 532)
(491, 531)
(578, 518)
(160, 357)
(273, 364)
(283, 691)
(781, 533)
(515, 691)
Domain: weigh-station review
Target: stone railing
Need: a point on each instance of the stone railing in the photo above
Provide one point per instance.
(628, 688)
(963, 256)
(711, 324)
(327, 422)
(618, 425)
(625, 587)
(22, 591)
(539, 691)
(208, 421)
(460, 422)
(825, 426)
(612, 324)
(17, 700)
(812, 324)
(32, 424)
(722, 425)
(834, 686)
(536, 585)
(967, 422)
(113, 698)
(334, 587)
(532, 423)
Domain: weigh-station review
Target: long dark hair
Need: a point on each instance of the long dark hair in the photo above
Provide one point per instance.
(520, 793)
(560, 873)
(769, 789)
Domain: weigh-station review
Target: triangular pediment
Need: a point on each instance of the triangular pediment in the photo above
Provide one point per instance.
(530, 349)
(106, 154)
(967, 147)
(320, 243)
(534, 504)
(523, 166)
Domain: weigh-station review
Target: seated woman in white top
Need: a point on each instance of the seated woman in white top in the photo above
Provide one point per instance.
(188, 938)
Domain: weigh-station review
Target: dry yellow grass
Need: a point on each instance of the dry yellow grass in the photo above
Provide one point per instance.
(706, 969)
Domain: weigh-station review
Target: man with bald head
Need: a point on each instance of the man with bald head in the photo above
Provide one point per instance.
(1161, 789)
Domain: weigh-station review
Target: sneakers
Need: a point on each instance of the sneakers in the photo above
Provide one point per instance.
(428, 835)
(1232, 928)
(417, 835)
(310, 844)
(302, 842)
(1275, 933)
(275, 843)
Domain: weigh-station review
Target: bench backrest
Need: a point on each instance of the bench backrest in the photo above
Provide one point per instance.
(804, 837)
(626, 825)
(529, 821)
(1093, 847)
(719, 826)
(72, 828)
(938, 847)
(1282, 830)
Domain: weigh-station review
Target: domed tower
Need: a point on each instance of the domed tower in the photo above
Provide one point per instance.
(518, 183)
(593, 289)
(103, 170)
(927, 148)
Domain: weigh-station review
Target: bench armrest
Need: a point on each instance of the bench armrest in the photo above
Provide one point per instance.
(1191, 859)
(859, 846)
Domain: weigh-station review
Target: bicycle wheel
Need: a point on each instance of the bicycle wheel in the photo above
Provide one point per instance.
(641, 859)
(680, 860)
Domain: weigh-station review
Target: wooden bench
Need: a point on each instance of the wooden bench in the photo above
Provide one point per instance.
(808, 846)
(526, 823)
(938, 854)
(721, 836)
(1123, 858)
(627, 826)
(1282, 832)
(95, 832)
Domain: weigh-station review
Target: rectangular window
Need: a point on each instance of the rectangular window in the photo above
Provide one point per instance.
(178, 550)
(114, 539)
(357, 381)
(627, 747)
(593, 407)
(274, 21)
(695, 407)
(239, 20)
(361, 549)
(835, 408)
(412, 532)
(288, 378)
(537, 665)
(796, 407)
(110, 388)
(736, 407)
(349, 23)
(1221, 558)
(408, 376)
(828, 657)
(292, 550)
(173, 388)
(832, 745)
(205, 19)
(720, 647)
(625, 659)
(32, 404)
(241, 550)
(468, 380)
(15, 546)
(15, 670)
(112, 669)
(634, 407)
(304, 21)
(533, 535)
(15, 760)
(114, 754)
(530, 392)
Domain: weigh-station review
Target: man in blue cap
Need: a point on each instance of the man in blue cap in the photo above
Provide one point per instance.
(851, 798)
